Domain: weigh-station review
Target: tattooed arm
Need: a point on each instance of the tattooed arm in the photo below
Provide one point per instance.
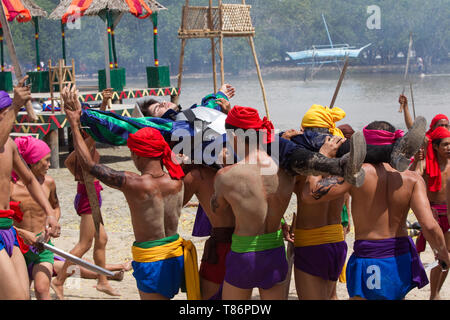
(322, 189)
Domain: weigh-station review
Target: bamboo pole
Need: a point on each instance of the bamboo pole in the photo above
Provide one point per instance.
(252, 45)
(93, 200)
(213, 46)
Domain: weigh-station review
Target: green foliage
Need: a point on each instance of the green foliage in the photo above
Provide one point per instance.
(281, 25)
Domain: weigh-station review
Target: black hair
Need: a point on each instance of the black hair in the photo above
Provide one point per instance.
(436, 142)
(144, 108)
(381, 125)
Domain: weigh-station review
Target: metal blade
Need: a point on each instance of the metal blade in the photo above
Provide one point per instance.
(77, 260)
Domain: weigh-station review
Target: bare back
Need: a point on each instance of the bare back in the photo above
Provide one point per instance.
(155, 205)
(311, 216)
(380, 207)
(258, 201)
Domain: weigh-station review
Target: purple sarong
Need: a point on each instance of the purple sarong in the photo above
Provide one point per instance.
(387, 248)
(260, 269)
(202, 226)
(8, 240)
(324, 260)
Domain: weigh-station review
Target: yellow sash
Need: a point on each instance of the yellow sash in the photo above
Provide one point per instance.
(313, 237)
(172, 250)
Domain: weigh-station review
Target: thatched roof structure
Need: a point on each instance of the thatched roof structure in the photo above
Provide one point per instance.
(34, 9)
(99, 5)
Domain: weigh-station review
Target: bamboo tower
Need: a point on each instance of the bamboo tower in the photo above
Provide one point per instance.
(216, 23)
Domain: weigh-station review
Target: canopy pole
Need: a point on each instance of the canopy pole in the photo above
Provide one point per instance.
(36, 37)
(63, 41)
(154, 18)
(113, 41)
(108, 29)
(1, 51)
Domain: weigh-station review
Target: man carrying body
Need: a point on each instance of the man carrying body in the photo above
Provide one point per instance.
(155, 200)
(14, 283)
(435, 169)
(36, 154)
(199, 180)
(385, 264)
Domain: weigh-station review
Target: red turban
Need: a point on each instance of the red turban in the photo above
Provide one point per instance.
(432, 164)
(434, 121)
(149, 143)
(248, 118)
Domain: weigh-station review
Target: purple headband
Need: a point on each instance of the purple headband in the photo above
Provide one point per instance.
(5, 100)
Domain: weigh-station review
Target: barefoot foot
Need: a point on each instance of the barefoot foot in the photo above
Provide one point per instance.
(106, 288)
(58, 289)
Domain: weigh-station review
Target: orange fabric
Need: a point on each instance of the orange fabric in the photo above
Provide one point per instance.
(15, 8)
(76, 9)
(136, 8)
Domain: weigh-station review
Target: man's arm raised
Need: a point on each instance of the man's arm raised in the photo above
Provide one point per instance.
(430, 228)
(35, 189)
(112, 178)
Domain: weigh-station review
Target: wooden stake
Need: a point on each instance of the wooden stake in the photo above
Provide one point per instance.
(341, 79)
(13, 56)
(252, 46)
(93, 200)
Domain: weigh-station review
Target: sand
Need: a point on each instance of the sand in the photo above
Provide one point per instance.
(117, 223)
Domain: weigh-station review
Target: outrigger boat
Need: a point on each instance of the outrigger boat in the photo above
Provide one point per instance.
(325, 54)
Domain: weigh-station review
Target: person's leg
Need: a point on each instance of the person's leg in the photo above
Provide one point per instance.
(100, 259)
(87, 232)
(152, 296)
(42, 274)
(119, 269)
(332, 289)
(231, 292)
(208, 288)
(312, 287)
(305, 162)
(14, 283)
(277, 292)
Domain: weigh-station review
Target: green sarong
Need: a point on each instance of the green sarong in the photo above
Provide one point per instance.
(243, 244)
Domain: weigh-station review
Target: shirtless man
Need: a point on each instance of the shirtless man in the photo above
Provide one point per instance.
(385, 264)
(36, 154)
(155, 199)
(320, 247)
(88, 234)
(199, 180)
(258, 201)
(14, 283)
(435, 169)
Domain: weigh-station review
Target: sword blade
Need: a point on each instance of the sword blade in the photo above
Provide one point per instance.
(77, 260)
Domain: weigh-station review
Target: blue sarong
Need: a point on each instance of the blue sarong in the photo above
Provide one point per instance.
(384, 269)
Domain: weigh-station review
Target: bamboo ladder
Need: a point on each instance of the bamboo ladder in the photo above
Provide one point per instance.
(225, 20)
(60, 75)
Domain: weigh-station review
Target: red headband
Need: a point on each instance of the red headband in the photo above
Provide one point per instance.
(149, 143)
(248, 118)
(432, 164)
(435, 120)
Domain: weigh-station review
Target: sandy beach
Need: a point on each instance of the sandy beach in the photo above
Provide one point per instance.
(117, 223)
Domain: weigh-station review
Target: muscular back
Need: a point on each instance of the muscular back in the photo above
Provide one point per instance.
(310, 216)
(155, 205)
(258, 201)
(380, 207)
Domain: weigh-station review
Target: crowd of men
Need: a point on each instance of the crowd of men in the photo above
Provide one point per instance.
(378, 174)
